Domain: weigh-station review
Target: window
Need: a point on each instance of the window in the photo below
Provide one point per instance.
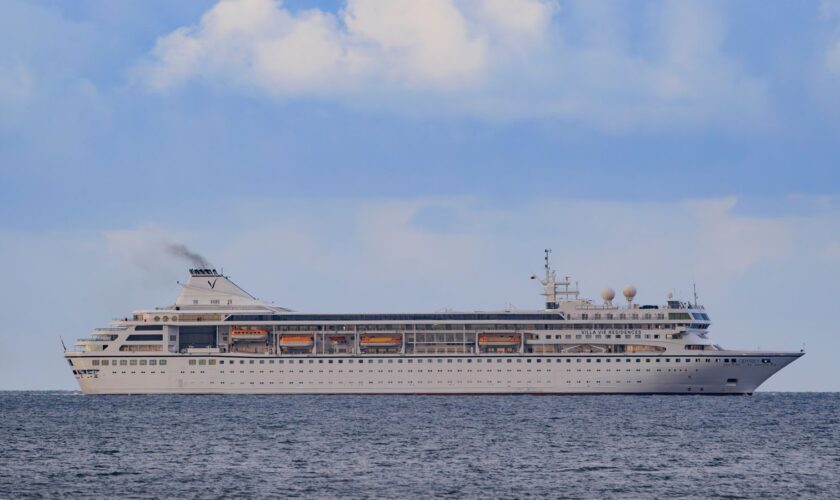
(211, 361)
(162, 362)
(95, 362)
(132, 362)
(141, 348)
(142, 362)
(124, 362)
(152, 362)
(145, 337)
(192, 362)
(141, 328)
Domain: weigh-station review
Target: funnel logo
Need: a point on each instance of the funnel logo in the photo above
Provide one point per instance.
(212, 283)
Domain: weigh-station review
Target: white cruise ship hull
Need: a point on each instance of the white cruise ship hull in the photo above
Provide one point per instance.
(721, 373)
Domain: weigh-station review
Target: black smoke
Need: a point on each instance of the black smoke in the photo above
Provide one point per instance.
(180, 250)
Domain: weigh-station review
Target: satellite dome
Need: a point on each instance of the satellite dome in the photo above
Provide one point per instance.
(629, 292)
(608, 294)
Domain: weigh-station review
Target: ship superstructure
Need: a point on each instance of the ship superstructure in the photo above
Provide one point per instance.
(217, 338)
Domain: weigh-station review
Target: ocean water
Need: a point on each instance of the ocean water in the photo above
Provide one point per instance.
(771, 445)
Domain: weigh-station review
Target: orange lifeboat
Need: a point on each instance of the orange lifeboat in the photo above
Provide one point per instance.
(295, 341)
(498, 341)
(245, 333)
(380, 341)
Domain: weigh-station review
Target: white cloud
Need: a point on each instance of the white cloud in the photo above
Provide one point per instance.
(394, 42)
(490, 58)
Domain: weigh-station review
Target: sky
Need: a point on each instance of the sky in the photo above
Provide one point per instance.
(397, 155)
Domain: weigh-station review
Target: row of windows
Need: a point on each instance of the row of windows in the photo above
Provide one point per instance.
(398, 317)
(589, 336)
(128, 362)
(479, 327)
(462, 360)
(141, 347)
(623, 316)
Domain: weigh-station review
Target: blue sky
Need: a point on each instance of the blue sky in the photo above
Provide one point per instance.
(368, 155)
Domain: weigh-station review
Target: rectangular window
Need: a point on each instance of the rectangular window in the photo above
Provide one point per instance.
(142, 362)
(133, 362)
(145, 337)
(192, 361)
(152, 362)
(211, 361)
(123, 362)
(162, 362)
(95, 362)
(104, 362)
(202, 361)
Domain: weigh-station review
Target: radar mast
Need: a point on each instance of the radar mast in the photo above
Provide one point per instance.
(550, 285)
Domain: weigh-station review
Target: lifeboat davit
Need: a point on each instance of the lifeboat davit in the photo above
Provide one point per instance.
(380, 341)
(292, 341)
(248, 334)
(498, 341)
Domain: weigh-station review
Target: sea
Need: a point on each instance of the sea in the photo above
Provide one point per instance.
(769, 445)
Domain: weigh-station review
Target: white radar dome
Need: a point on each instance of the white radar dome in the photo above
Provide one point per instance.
(608, 294)
(629, 292)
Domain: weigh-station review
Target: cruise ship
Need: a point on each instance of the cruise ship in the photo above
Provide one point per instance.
(218, 339)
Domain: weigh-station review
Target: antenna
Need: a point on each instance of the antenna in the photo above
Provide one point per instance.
(550, 285)
(547, 266)
(695, 293)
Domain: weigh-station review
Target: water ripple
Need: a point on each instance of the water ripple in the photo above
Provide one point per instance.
(765, 446)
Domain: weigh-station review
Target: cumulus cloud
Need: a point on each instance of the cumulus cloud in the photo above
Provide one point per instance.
(489, 58)
(395, 42)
